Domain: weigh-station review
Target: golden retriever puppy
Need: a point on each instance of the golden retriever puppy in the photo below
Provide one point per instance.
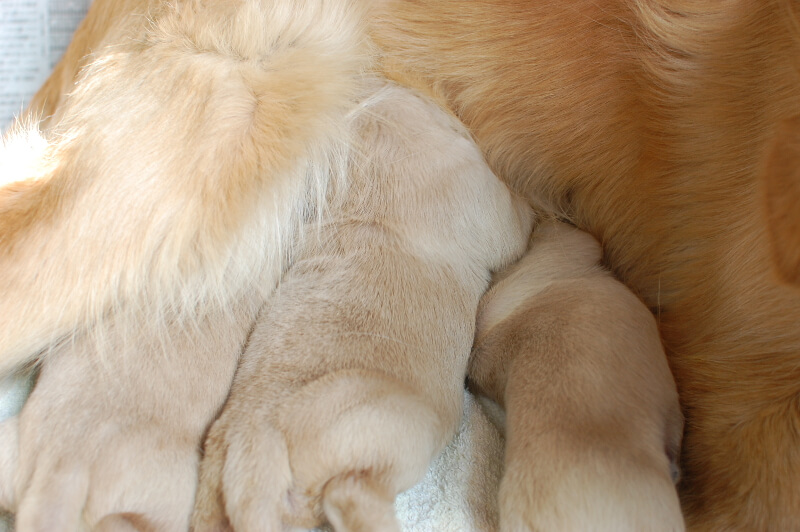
(352, 380)
(644, 122)
(109, 439)
(592, 414)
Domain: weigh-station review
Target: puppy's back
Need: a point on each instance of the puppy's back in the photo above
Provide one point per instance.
(357, 365)
(593, 415)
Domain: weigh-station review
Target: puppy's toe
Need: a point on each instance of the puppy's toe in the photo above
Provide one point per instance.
(132, 482)
(245, 479)
(359, 503)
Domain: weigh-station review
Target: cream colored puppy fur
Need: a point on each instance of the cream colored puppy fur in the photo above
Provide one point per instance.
(352, 380)
(594, 424)
(112, 444)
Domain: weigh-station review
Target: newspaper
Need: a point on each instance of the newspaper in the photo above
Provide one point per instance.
(33, 37)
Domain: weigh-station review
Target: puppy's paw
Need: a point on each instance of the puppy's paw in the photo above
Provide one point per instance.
(104, 475)
(558, 492)
(357, 503)
(336, 450)
(109, 438)
(247, 484)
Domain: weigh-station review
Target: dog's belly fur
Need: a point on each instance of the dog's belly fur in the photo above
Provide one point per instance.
(646, 126)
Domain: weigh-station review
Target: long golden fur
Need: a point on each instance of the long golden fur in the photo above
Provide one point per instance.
(645, 122)
(780, 189)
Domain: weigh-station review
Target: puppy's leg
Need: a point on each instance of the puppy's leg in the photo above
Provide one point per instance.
(330, 389)
(593, 422)
(179, 168)
(368, 437)
(111, 438)
(342, 450)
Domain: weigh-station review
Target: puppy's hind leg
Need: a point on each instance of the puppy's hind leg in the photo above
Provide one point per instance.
(368, 437)
(359, 503)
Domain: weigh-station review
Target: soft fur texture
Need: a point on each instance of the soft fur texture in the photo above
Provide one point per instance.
(204, 135)
(780, 187)
(594, 424)
(645, 122)
(111, 443)
(196, 141)
(352, 379)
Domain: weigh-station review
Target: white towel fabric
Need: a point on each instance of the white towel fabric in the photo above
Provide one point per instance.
(459, 493)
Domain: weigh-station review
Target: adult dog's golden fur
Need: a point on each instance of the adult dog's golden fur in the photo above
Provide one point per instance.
(352, 380)
(592, 414)
(207, 130)
(644, 121)
(780, 188)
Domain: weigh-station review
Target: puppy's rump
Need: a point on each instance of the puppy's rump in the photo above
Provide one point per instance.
(358, 360)
(130, 455)
(594, 424)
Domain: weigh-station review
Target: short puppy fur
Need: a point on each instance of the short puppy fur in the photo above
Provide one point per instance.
(109, 440)
(592, 414)
(352, 380)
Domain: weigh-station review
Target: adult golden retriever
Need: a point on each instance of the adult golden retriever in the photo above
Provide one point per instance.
(645, 122)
